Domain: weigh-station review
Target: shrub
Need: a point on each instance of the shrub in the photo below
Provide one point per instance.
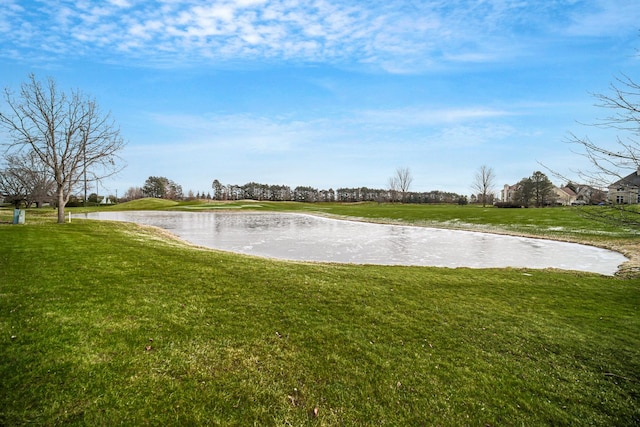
(506, 205)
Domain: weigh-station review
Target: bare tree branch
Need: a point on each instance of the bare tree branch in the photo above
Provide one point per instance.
(610, 160)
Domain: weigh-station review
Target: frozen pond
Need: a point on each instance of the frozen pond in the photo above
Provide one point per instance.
(311, 238)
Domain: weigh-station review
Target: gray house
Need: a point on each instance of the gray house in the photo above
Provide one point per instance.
(626, 191)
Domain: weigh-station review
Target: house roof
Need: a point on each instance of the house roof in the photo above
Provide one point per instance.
(632, 180)
(569, 191)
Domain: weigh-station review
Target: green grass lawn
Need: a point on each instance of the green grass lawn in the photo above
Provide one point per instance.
(110, 323)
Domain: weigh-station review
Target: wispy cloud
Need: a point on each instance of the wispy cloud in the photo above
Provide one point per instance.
(411, 117)
(242, 132)
(276, 147)
(400, 36)
(603, 17)
(249, 133)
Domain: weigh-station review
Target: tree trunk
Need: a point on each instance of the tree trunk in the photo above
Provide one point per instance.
(61, 203)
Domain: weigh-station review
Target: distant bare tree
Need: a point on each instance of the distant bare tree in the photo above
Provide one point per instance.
(24, 179)
(13, 188)
(67, 133)
(401, 182)
(133, 193)
(483, 183)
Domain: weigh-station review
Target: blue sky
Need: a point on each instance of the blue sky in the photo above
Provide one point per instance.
(330, 93)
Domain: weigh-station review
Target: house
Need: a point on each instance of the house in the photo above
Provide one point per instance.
(588, 195)
(508, 193)
(565, 196)
(569, 195)
(626, 191)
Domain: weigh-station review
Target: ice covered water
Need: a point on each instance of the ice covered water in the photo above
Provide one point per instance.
(310, 238)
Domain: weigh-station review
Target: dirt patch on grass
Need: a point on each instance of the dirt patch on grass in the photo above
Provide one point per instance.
(631, 268)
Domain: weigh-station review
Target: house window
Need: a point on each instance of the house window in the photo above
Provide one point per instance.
(619, 200)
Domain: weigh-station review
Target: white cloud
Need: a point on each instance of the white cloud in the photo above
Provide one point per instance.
(467, 136)
(409, 129)
(9, 13)
(603, 17)
(411, 117)
(120, 3)
(399, 36)
(242, 132)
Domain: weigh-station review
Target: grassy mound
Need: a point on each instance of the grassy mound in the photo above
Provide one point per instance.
(146, 204)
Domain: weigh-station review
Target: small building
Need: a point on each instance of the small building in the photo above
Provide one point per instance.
(626, 191)
(565, 196)
(508, 193)
(588, 195)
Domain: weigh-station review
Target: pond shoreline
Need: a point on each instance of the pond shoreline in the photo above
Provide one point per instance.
(287, 235)
(629, 269)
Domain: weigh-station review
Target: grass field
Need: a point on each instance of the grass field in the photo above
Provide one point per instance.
(110, 323)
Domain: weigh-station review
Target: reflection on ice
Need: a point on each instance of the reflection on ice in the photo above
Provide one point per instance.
(310, 238)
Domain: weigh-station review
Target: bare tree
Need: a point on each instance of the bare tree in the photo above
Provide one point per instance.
(608, 161)
(483, 183)
(24, 179)
(13, 188)
(133, 193)
(401, 182)
(67, 132)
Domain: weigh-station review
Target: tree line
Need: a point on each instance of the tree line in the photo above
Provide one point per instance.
(268, 192)
(165, 188)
